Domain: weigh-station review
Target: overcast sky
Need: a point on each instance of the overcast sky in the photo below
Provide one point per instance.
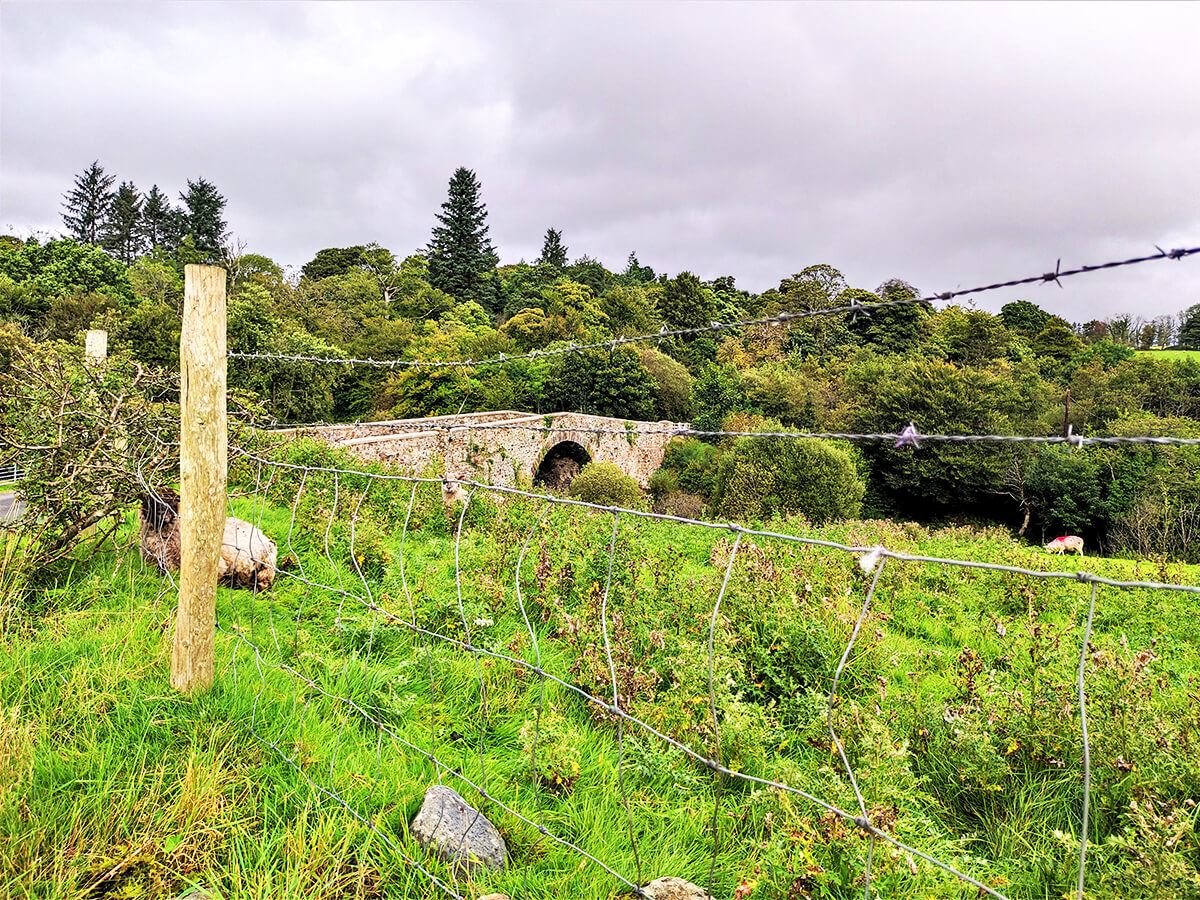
(948, 145)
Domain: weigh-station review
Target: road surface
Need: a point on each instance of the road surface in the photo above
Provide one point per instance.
(10, 507)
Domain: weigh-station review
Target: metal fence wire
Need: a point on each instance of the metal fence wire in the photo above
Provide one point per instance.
(260, 631)
(329, 678)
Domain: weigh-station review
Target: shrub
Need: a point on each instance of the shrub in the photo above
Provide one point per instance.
(689, 465)
(763, 477)
(605, 483)
(87, 437)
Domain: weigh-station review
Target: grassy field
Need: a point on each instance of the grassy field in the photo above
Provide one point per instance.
(957, 708)
(1172, 354)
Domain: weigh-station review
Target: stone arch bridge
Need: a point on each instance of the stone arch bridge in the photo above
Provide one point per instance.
(505, 448)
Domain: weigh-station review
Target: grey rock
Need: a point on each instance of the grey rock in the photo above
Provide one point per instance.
(456, 832)
(671, 888)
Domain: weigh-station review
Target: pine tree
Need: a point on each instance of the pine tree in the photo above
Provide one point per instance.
(635, 272)
(85, 207)
(122, 234)
(460, 253)
(554, 252)
(160, 221)
(202, 217)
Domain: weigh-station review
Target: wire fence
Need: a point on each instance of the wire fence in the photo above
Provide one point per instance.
(371, 679)
(351, 487)
(910, 436)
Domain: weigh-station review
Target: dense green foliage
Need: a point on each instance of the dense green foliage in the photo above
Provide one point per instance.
(951, 370)
(606, 484)
(764, 477)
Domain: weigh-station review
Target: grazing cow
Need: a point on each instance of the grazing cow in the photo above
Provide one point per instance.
(1069, 542)
(248, 557)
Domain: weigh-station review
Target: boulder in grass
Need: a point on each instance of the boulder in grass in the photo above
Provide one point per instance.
(458, 833)
(671, 888)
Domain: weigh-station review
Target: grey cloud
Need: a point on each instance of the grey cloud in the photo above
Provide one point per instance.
(947, 145)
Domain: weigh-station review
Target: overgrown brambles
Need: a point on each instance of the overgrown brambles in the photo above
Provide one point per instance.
(89, 437)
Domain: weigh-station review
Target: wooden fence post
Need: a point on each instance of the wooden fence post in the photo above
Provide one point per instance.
(95, 345)
(202, 470)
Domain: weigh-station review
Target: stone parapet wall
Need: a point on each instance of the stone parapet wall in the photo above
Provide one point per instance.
(504, 456)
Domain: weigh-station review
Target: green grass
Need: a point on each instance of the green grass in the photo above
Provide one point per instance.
(957, 710)
(1172, 354)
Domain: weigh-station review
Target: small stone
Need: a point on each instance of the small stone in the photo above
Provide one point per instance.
(671, 888)
(458, 833)
(494, 897)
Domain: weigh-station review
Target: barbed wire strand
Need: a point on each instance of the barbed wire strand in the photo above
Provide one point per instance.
(853, 308)
(865, 437)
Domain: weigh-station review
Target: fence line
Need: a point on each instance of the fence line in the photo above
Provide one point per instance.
(613, 707)
(872, 559)
(854, 309)
(732, 527)
(909, 437)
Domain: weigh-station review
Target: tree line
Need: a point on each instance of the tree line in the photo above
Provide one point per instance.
(129, 224)
(1023, 370)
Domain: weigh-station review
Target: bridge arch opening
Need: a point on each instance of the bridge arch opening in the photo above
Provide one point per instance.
(561, 464)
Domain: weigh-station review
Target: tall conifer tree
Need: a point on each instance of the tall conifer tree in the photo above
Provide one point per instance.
(203, 217)
(122, 234)
(85, 207)
(460, 252)
(160, 220)
(554, 252)
(635, 271)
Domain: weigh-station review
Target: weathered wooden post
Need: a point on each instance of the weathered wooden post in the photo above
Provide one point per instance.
(202, 470)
